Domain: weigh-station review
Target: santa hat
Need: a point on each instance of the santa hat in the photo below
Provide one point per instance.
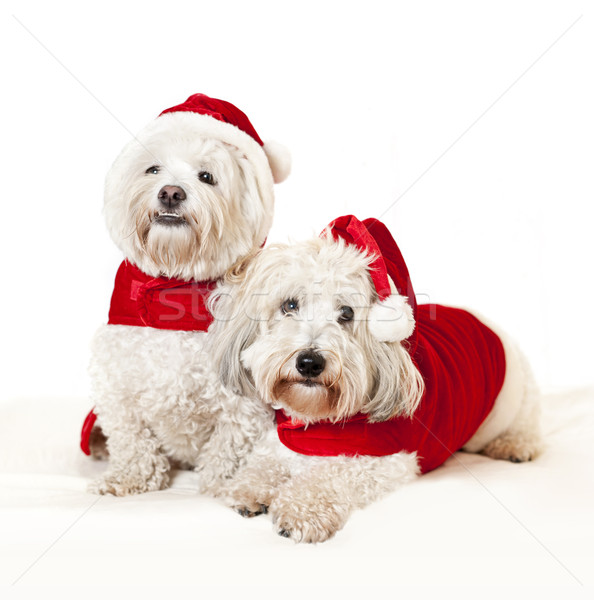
(225, 121)
(392, 317)
(203, 116)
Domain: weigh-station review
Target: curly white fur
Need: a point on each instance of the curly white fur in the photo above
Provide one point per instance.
(256, 337)
(156, 394)
(158, 400)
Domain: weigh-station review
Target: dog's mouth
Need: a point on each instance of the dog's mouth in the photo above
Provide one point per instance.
(306, 398)
(284, 386)
(168, 218)
(308, 382)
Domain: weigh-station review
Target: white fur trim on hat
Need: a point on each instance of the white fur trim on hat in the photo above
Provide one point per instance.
(391, 319)
(187, 123)
(279, 159)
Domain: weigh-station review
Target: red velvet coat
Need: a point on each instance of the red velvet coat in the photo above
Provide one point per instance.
(140, 300)
(144, 301)
(462, 363)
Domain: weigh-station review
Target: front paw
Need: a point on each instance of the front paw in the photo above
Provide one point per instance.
(129, 482)
(112, 484)
(250, 512)
(248, 501)
(310, 523)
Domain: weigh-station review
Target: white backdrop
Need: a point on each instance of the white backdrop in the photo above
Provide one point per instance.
(467, 129)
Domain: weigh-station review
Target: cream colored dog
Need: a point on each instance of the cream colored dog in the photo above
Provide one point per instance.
(190, 196)
(301, 326)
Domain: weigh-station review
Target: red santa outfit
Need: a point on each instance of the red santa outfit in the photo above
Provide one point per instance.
(460, 359)
(143, 301)
(140, 300)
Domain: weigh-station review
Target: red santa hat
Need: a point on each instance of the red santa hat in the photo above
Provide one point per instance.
(203, 116)
(225, 121)
(392, 317)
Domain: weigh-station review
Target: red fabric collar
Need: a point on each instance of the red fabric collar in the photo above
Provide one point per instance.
(144, 301)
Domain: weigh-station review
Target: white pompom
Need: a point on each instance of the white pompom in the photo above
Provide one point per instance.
(391, 320)
(279, 159)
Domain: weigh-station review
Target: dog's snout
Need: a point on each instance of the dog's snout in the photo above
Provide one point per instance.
(171, 195)
(310, 363)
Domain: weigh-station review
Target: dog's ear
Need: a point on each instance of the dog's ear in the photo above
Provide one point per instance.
(232, 332)
(256, 203)
(235, 275)
(398, 385)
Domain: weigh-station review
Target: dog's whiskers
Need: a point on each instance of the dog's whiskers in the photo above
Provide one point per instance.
(332, 386)
(339, 361)
(282, 365)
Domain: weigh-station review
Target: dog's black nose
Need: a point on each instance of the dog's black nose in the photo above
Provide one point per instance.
(171, 195)
(310, 363)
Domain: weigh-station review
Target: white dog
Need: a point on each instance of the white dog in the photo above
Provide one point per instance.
(370, 390)
(190, 196)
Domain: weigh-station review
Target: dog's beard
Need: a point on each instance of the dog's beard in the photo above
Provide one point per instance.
(170, 247)
(308, 399)
(174, 246)
(360, 376)
(336, 394)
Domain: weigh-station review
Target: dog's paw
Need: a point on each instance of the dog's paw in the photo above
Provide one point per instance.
(98, 444)
(515, 448)
(127, 483)
(126, 486)
(113, 485)
(244, 511)
(313, 523)
(248, 501)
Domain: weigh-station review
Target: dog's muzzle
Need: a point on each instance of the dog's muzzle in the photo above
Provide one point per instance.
(310, 363)
(170, 197)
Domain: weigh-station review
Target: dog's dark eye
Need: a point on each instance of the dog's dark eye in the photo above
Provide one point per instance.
(206, 177)
(153, 170)
(346, 314)
(290, 306)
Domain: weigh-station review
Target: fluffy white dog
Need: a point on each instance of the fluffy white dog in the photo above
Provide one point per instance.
(186, 199)
(370, 389)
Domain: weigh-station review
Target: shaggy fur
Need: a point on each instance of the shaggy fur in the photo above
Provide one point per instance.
(156, 394)
(256, 338)
(224, 222)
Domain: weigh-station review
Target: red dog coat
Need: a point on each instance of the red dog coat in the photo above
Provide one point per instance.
(144, 301)
(461, 360)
